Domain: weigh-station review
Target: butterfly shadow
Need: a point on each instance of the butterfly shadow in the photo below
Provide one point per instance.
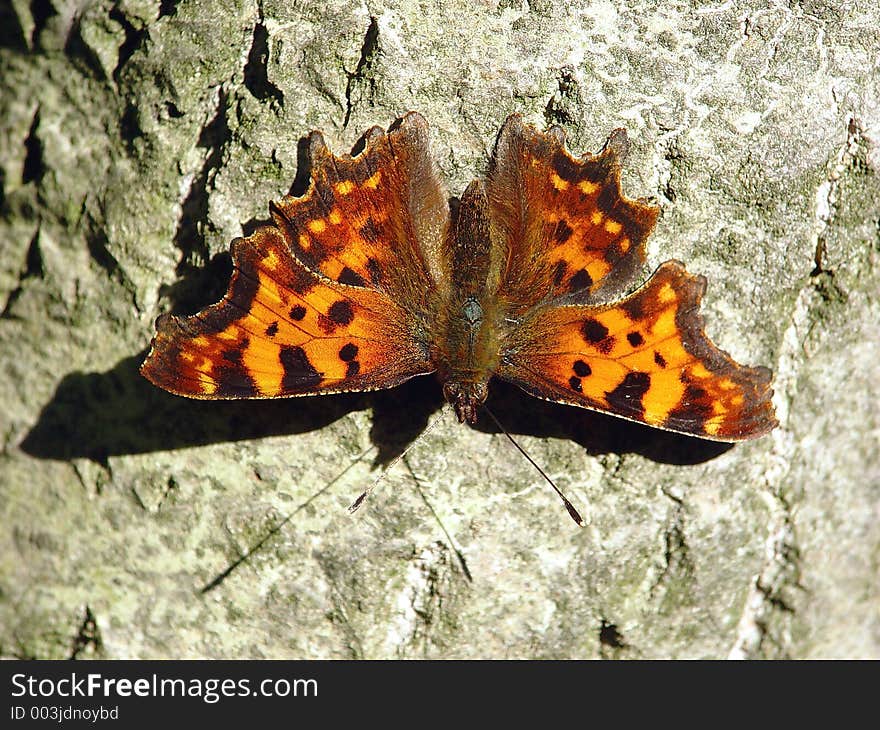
(597, 433)
(96, 415)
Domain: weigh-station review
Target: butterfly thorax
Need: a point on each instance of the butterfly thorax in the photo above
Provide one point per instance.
(467, 340)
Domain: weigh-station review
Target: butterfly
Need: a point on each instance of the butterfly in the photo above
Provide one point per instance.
(374, 276)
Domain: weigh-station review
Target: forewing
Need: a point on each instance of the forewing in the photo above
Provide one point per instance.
(376, 220)
(567, 228)
(281, 330)
(645, 358)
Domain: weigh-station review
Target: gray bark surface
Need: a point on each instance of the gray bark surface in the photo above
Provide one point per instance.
(138, 138)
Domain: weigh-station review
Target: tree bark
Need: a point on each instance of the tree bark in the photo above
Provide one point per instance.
(138, 138)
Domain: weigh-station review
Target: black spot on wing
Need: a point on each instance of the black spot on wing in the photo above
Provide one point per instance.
(233, 379)
(340, 314)
(575, 384)
(567, 168)
(596, 334)
(637, 222)
(659, 359)
(272, 329)
(298, 313)
(692, 413)
(581, 280)
(634, 308)
(626, 398)
(635, 338)
(608, 198)
(233, 355)
(374, 270)
(351, 277)
(234, 382)
(597, 170)
(352, 369)
(369, 231)
(594, 331)
(582, 369)
(348, 352)
(563, 232)
(299, 374)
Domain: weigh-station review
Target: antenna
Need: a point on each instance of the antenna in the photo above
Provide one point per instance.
(354, 506)
(573, 513)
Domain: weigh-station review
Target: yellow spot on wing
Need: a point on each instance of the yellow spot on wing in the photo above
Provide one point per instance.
(333, 268)
(667, 294)
(598, 268)
(334, 217)
(664, 394)
(596, 218)
(699, 371)
(605, 376)
(664, 325)
(305, 242)
(261, 358)
(344, 187)
(271, 261)
(324, 356)
(588, 188)
(373, 181)
(616, 321)
(558, 182)
(674, 354)
(613, 227)
(317, 226)
(640, 360)
(624, 244)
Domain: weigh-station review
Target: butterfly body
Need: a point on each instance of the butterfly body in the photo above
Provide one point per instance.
(467, 344)
(371, 278)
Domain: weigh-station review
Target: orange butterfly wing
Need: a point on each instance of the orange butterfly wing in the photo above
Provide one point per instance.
(332, 297)
(375, 220)
(574, 243)
(282, 331)
(567, 228)
(645, 358)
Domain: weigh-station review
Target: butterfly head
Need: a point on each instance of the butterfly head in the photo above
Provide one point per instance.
(465, 397)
